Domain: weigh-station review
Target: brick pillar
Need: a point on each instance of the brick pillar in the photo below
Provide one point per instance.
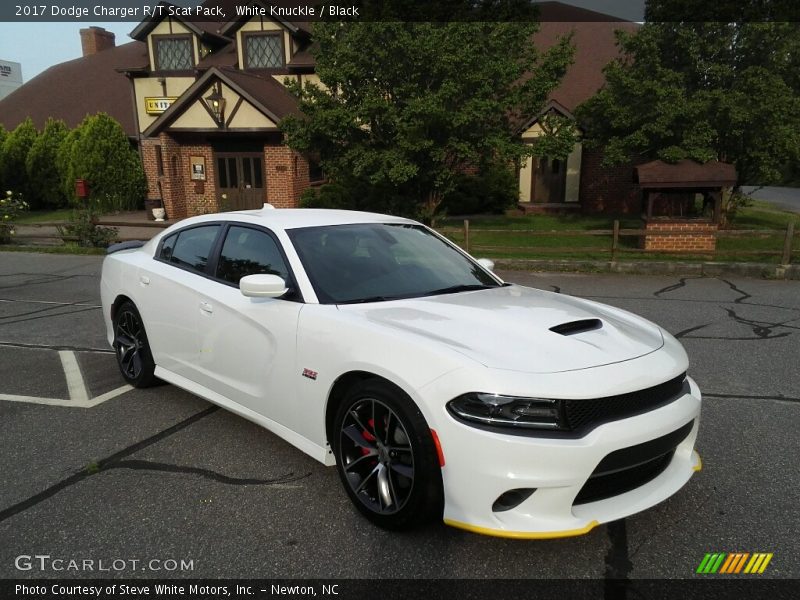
(150, 165)
(688, 236)
(172, 182)
(287, 176)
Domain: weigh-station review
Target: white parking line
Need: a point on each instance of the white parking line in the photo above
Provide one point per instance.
(78, 393)
(70, 403)
(72, 370)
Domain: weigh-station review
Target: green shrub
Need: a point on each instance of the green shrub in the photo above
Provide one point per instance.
(494, 189)
(64, 164)
(3, 136)
(102, 155)
(42, 167)
(732, 201)
(10, 208)
(330, 195)
(82, 225)
(15, 153)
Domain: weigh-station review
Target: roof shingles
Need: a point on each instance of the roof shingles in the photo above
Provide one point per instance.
(77, 88)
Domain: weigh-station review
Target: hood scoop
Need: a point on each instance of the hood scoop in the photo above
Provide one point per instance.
(518, 329)
(576, 327)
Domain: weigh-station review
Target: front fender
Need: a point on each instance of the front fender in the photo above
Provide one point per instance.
(331, 343)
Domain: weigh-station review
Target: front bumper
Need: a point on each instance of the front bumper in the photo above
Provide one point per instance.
(481, 466)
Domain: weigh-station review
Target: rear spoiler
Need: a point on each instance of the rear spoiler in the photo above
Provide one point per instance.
(129, 245)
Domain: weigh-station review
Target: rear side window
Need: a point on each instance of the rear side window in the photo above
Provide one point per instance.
(249, 251)
(192, 247)
(167, 246)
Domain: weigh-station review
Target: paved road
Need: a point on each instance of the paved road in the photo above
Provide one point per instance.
(161, 474)
(782, 197)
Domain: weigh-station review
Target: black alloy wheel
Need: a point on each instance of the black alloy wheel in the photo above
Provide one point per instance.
(132, 348)
(386, 457)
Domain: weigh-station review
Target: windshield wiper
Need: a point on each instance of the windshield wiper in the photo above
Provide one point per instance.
(454, 289)
(370, 299)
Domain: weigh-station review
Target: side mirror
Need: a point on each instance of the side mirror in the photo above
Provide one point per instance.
(262, 286)
(486, 263)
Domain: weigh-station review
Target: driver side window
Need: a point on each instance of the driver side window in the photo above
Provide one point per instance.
(248, 251)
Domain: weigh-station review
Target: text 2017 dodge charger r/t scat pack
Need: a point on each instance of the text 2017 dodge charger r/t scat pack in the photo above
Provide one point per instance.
(438, 391)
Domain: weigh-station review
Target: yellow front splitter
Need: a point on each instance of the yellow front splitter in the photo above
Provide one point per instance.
(699, 462)
(522, 535)
(540, 535)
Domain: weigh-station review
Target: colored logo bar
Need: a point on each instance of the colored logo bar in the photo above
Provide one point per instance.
(734, 563)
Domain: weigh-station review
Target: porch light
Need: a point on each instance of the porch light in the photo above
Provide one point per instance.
(216, 104)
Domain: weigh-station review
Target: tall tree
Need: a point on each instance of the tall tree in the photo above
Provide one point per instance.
(101, 153)
(3, 136)
(15, 152)
(41, 166)
(64, 164)
(702, 90)
(407, 106)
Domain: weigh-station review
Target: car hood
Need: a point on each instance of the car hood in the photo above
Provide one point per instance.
(510, 328)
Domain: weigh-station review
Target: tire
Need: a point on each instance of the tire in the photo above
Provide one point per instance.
(134, 359)
(386, 457)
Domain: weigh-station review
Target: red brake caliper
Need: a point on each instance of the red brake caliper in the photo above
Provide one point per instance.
(368, 436)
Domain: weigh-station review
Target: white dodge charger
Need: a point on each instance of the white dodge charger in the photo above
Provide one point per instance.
(372, 343)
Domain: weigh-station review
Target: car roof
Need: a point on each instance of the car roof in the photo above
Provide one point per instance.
(293, 218)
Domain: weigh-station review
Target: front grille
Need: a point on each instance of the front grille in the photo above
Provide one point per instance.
(626, 469)
(585, 415)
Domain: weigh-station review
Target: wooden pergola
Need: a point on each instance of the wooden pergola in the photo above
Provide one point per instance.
(674, 182)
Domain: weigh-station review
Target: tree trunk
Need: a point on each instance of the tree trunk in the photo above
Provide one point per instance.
(429, 208)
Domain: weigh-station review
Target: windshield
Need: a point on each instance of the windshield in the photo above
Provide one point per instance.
(377, 261)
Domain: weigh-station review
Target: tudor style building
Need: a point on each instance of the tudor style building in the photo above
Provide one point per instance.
(203, 100)
(208, 103)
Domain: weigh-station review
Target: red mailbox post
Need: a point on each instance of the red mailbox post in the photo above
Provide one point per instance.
(81, 188)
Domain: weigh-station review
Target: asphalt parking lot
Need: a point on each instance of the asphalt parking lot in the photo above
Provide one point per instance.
(90, 469)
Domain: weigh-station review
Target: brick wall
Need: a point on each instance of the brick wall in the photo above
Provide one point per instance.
(172, 180)
(608, 190)
(150, 164)
(693, 236)
(287, 176)
(200, 196)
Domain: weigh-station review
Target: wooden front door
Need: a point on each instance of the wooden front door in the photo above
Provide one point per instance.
(240, 180)
(549, 180)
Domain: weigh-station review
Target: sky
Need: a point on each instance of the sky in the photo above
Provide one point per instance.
(38, 46)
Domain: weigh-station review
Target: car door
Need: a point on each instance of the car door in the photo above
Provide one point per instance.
(248, 345)
(171, 287)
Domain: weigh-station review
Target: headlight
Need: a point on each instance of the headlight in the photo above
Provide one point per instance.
(507, 411)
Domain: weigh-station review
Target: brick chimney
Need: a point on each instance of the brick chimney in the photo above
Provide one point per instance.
(96, 39)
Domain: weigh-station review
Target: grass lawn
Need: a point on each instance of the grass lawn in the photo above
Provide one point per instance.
(552, 240)
(762, 215)
(45, 216)
(65, 249)
(502, 236)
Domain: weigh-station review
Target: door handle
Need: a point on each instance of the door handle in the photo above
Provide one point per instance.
(144, 279)
(206, 307)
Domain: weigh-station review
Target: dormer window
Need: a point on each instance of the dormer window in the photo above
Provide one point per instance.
(173, 52)
(263, 50)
